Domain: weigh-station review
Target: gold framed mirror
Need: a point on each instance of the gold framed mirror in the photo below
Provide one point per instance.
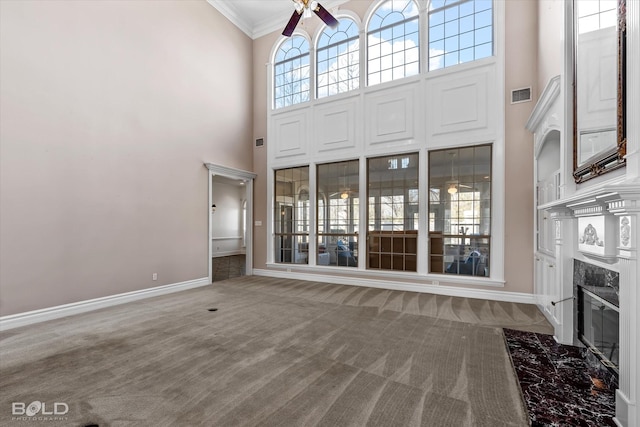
(599, 130)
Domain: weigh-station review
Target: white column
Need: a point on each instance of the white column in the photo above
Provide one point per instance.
(564, 241)
(629, 381)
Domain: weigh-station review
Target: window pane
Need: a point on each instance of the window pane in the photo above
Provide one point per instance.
(291, 72)
(291, 215)
(460, 210)
(392, 212)
(338, 214)
(338, 55)
(395, 28)
(467, 25)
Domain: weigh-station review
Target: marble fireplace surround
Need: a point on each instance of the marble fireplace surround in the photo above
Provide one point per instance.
(618, 202)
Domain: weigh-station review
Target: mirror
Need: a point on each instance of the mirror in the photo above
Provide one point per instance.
(599, 137)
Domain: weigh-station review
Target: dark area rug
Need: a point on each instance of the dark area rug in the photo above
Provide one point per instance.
(560, 385)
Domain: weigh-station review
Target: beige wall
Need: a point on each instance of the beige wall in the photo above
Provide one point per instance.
(521, 66)
(550, 41)
(261, 50)
(520, 71)
(108, 111)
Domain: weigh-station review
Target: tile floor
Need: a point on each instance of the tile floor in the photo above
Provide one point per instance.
(228, 267)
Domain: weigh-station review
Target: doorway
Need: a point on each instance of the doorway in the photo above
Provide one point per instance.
(230, 211)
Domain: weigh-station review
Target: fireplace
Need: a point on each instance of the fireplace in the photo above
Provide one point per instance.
(597, 311)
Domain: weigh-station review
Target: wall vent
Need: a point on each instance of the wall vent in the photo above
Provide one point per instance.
(259, 142)
(521, 95)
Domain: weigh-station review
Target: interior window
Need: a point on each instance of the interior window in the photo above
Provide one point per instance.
(338, 213)
(393, 212)
(393, 42)
(460, 210)
(291, 215)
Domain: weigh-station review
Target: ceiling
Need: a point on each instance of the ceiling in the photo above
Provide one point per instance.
(257, 18)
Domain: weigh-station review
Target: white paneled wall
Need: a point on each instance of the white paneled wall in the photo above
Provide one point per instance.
(292, 131)
(335, 124)
(391, 115)
(426, 111)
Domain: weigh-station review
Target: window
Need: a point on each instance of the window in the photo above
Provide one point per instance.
(459, 31)
(338, 213)
(291, 72)
(291, 215)
(338, 59)
(460, 210)
(596, 14)
(393, 42)
(393, 212)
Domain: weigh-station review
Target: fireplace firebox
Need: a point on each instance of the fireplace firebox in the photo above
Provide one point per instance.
(597, 311)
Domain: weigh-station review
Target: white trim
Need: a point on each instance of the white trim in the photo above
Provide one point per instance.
(268, 23)
(344, 13)
(237, 174)
(622, 409)
(514, 297)
(220, 254)
(363, 272)
(42, 315)
(544, 104)
(225, 8)
(230, 172)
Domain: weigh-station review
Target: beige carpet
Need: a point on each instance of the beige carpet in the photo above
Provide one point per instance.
(275, 353)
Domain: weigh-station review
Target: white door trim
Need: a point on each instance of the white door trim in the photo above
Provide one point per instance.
(248, 178)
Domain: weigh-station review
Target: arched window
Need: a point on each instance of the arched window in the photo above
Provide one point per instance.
(338, 61)
(459, 31)
(393, 42)
(291, 72)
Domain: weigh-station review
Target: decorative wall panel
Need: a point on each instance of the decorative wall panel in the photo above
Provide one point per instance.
(290, 135)
(390, 116)
(335, 126)
(459, 105)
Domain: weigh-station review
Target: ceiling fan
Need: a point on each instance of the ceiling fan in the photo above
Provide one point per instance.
(453, 183)
(305, 7)
(344, 194)
(345, 191)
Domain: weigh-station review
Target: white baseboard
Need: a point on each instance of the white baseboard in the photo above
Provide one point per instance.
(625, 411)
(403, 286)
(36, 316)
(219, 254)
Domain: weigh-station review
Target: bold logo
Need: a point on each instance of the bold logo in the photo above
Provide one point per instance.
(36, 407)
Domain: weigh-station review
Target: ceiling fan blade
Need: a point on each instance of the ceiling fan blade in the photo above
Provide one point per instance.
(326, 16)
(291, 25)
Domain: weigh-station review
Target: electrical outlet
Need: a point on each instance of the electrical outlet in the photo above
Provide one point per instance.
(154, 276)
(436, 283)
(288, 270)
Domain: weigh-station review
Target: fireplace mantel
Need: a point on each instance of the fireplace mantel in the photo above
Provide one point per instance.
(615, 206)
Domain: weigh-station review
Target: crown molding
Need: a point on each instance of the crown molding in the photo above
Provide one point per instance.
(264, 26)
(231, 13)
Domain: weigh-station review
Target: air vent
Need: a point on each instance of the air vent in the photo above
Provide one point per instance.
(521, 95)
(259, 142)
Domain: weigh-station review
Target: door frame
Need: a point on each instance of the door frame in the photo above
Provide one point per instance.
(241, 175)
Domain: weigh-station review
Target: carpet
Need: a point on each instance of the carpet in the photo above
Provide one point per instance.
(559, 384)
(257, 351)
